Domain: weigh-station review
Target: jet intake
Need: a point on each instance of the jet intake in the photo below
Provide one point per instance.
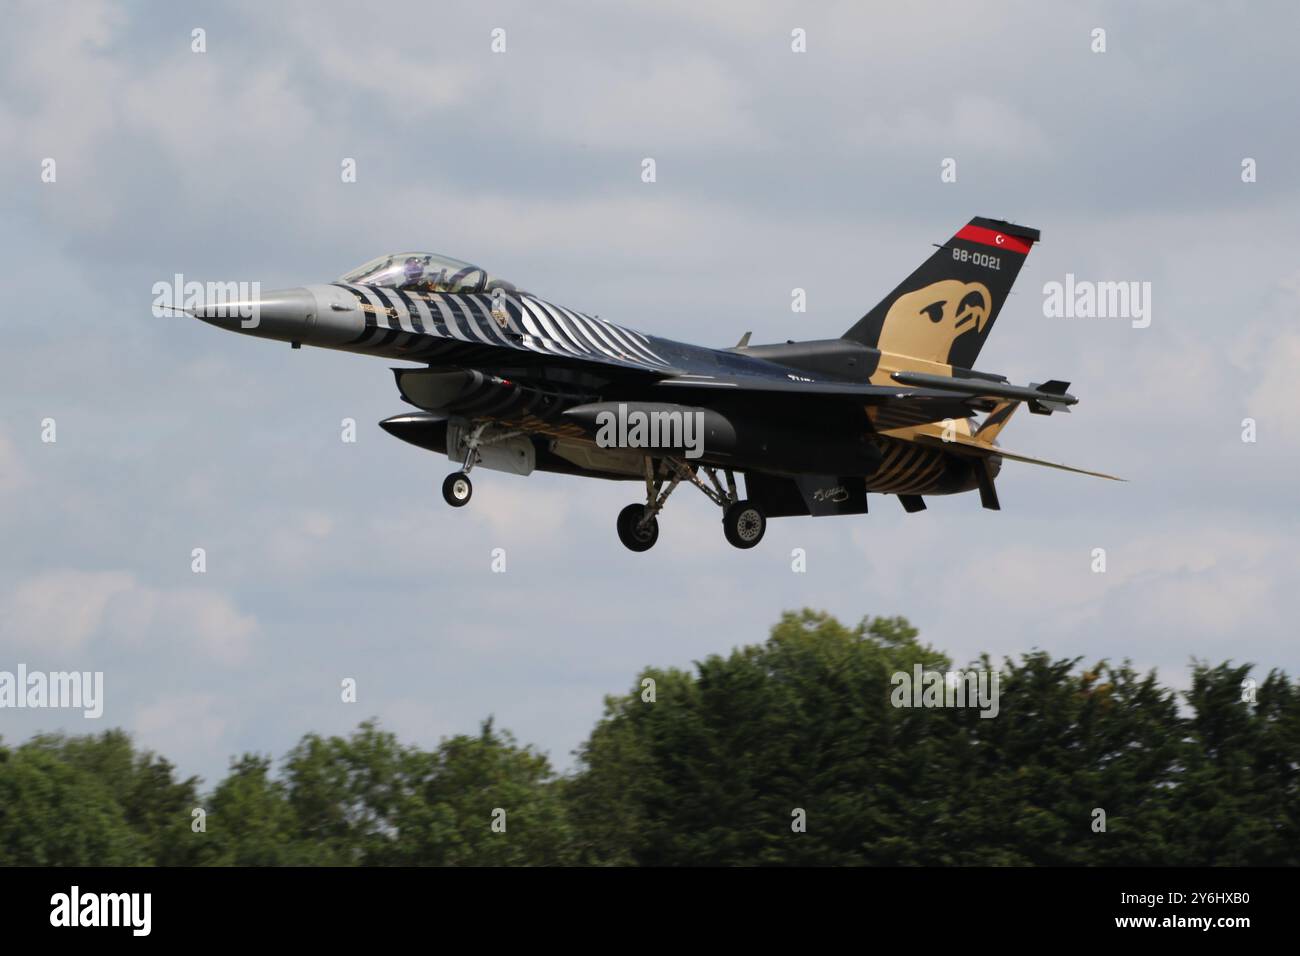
(469, 393)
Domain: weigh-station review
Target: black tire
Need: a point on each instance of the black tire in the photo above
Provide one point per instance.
(633, 536)
(457, 490)
(743, 524)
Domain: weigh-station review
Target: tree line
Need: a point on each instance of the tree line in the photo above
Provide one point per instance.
(790, 752)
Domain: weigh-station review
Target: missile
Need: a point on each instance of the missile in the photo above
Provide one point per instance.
(1042, 399)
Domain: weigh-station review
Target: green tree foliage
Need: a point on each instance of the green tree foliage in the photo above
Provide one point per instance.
(66, 801)
(715, 764)
(713, 770)
(249, 821)
(457, 790)
(154, 804)
(367, 800)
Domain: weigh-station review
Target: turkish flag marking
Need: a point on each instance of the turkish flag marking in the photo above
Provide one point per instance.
(989, 237)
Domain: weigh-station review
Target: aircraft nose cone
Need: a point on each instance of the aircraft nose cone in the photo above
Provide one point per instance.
(285, 312)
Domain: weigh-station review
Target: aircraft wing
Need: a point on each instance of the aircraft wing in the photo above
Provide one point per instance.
(888, 406)
(786, 385)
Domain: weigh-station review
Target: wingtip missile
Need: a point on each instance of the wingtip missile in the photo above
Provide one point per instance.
(1042, 399)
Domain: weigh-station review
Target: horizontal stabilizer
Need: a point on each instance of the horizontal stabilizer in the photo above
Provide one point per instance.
(1052, 464)
(960, 444)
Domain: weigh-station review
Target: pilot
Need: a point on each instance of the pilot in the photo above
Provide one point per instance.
(413, 273)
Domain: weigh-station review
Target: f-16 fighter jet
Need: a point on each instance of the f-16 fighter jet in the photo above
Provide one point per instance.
(508, 381)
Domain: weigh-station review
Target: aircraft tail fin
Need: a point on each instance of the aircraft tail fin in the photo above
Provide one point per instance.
(945, 310)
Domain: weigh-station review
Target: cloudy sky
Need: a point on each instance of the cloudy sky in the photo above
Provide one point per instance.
(775, 170)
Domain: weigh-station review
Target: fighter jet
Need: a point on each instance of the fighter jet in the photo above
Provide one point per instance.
(510, 382)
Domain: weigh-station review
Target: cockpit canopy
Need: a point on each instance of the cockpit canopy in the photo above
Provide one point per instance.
(425, 272)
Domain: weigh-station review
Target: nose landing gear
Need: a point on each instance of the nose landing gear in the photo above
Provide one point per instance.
(457, 489)
(743, 523)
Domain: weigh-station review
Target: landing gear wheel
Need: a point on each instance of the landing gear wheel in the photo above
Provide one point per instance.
(635, 535)
(457, 489)
(743, 524)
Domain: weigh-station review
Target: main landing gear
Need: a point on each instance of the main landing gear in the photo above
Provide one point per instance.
(637, 529)
(743, 522)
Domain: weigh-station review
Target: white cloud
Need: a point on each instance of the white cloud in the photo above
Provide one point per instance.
(66, 612)
(60, 611)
